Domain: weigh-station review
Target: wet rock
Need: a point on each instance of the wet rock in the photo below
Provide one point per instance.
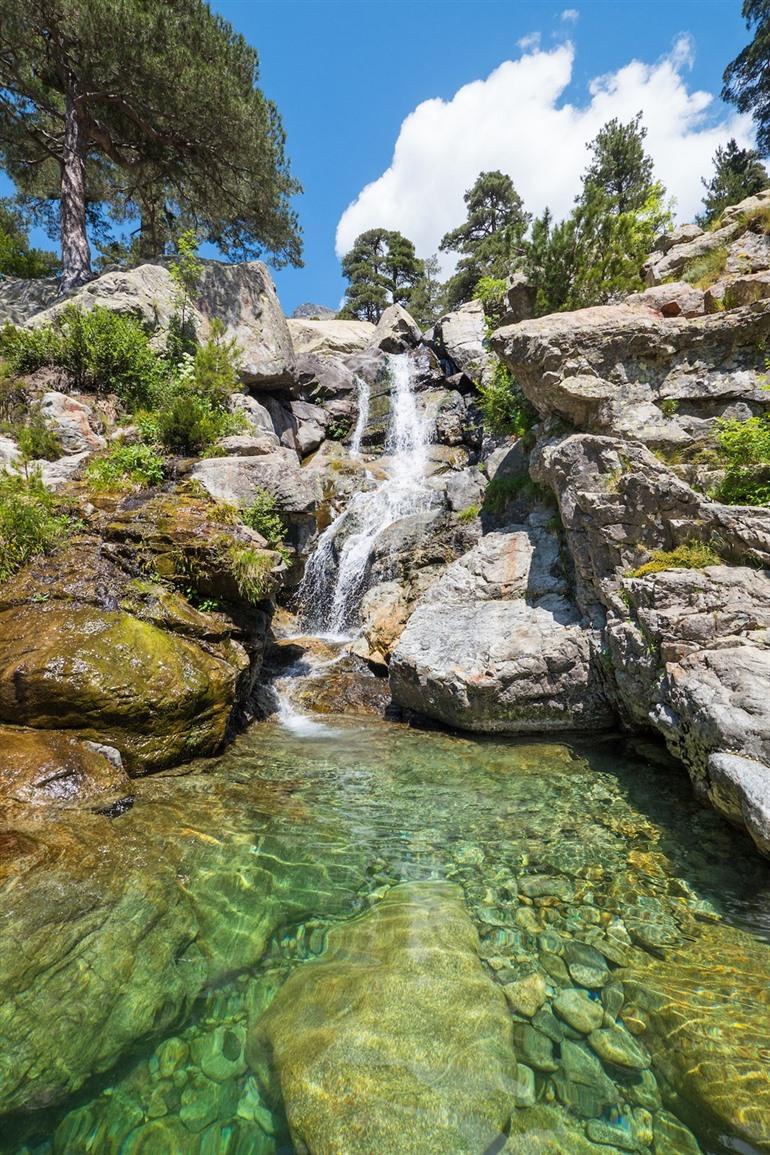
(44, 766)
(615, 1045)
(543, 1130)
(582, 1083)
(672, 1137)
(578, 1010)
(219, 1053)
(525, 1092)
(359, 1048)
(586, 965)
(618, 1134)
(527, 995)
(546, 886)
(534, 1048)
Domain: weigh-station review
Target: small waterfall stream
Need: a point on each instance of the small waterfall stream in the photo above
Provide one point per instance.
(335, 575)
(334, 582)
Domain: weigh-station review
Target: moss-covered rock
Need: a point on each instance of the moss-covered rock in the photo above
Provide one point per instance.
(158, 697)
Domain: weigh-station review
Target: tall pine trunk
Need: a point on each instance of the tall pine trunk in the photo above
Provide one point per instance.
(75, 250)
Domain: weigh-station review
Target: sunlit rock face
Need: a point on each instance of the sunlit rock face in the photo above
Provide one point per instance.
(395, 1028)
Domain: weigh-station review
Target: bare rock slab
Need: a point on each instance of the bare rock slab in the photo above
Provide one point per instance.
(395, 1031)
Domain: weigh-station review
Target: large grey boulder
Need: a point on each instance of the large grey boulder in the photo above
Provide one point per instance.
(330, 336)
(396, 330)
(496, 645)
(236, 480)
(460, 338)
(242, 297)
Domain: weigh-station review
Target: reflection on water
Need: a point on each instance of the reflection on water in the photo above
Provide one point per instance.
(622, 929)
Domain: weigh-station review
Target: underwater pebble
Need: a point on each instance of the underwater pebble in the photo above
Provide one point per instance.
(614, 1045)
(578, 1010)
(535, 1048)
(556, 968)
(582, 1083)
(612, 999)
(610, 1134)
(525, 1093)
(544, 886)
(527, 995)
(586, 966)
(169, 1055)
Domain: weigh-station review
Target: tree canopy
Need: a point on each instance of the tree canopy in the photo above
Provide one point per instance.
(738, 173)
(490, 240)
(747, 78)
(17, 259)
(382, 269)
(149, 106)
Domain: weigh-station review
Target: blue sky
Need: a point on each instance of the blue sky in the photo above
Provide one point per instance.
(346, 73)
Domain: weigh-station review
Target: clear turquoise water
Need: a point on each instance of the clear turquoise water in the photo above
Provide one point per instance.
(282, 837)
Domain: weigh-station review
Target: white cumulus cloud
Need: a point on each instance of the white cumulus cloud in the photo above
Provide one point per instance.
(569, 15)
(516, 120)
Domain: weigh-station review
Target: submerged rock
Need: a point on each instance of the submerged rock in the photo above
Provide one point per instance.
(43, 766)
(394, 1031)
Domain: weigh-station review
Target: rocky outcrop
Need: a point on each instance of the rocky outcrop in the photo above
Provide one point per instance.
(495, 644)
(21, 299)
(242, 297)
(71, 422)
(395, 1026)
(40, 767)
(627, 372)
(334, 337)
(459, 337)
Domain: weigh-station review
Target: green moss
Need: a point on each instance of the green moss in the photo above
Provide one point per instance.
(692, 555)
(251, 569)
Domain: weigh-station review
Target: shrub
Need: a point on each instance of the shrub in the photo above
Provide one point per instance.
(704, 271)
(98, 349)
(36, 441)
(263, 516)
(491, 292)
(693, 555)
(470, 513)
(32, 521)
(126, 467)
(215, 367)
(504, 407)
(744, 446)
(669, 407)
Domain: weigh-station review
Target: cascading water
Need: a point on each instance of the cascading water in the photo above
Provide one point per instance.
(363, 416)
(334, 579)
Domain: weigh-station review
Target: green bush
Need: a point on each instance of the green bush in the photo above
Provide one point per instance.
(693, 555)
(504, 407)
(744, 447)
(263, 516)
(36, 441)
(470, 513)
(98, 349)
(126, 467)
(491, 292)
(32, 521)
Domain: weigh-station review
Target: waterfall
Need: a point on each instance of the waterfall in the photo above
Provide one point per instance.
(363, 416)
(333, 585)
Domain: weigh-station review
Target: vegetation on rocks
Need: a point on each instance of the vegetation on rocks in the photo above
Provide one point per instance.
(744, 447)
(692, 555)
(738, 173)
(32, 521)
(703, 271)
(126, 467)
(263, 516)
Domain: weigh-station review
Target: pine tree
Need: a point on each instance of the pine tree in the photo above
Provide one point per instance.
(382, 269)
(618, 214)
(426, 300)
(747, 78)
(738, 173)
(550, 262)
(490, 240)
(147, 104)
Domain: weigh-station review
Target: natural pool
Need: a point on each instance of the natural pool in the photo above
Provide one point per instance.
(622, 1001)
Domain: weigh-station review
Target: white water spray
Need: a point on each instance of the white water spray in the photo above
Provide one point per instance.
(335, 574)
